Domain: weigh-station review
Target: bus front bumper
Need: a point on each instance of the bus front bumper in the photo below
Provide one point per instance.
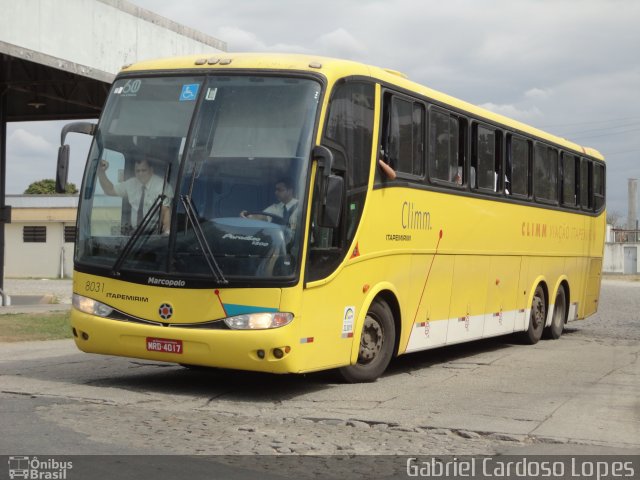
(272, 350)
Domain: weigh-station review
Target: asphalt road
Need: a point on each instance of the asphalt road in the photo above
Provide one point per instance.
(576, 395)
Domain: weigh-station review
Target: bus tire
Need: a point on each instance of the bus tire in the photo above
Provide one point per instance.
(537, 318)
(554, 331)
(376, 345)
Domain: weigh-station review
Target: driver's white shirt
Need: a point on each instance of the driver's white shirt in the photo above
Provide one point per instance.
(278, 209)
(132, 190)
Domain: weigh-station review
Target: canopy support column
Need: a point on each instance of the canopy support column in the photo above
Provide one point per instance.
(5, 213)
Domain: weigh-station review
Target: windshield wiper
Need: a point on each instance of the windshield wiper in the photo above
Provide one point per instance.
(192, 217)
(142, 227)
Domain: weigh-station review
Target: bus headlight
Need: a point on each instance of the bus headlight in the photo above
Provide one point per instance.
(259, 321)
(90, 306)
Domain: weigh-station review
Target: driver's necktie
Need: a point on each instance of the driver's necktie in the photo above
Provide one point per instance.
(141, 207)
(286, 213)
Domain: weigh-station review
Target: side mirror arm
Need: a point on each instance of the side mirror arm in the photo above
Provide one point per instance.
(86, 128)
(325, 159)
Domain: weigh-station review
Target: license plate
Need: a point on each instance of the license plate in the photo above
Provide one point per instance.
(164, 345)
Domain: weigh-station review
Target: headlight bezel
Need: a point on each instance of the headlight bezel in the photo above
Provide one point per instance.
(259, 320)
(91, 306)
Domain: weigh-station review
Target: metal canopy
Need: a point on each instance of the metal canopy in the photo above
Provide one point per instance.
(35, 91)
(31, 91)
(57, 60)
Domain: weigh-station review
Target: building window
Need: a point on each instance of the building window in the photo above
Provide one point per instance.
(69, 234)
(34, 234)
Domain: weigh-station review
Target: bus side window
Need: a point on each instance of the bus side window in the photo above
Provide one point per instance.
(517, 170)
(349, 135)
(446, 147)
(402, 139)
(487, 158)
(568, 179)
(585, 184)
(545, 166)
(508, 169)
(598, 186)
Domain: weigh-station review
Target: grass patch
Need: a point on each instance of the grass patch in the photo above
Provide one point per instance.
(21, 327)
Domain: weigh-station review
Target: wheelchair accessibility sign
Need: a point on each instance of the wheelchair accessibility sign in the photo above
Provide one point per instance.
(189, 92)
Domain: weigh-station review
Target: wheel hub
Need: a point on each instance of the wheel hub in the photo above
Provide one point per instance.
(538, 312)
(371, 342)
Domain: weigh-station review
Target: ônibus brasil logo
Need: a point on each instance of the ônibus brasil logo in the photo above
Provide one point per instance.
(34, 468)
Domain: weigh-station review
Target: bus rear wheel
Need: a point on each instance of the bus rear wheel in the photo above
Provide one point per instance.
(537, 318)
(376, 345)
(554, 331)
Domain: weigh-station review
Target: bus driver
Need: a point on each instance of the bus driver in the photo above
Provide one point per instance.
(141, 191)
(286, 208)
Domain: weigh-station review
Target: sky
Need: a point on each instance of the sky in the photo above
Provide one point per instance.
(571, 67)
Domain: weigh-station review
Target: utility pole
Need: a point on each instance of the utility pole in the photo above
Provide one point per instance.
(632, 212)
(5, 213)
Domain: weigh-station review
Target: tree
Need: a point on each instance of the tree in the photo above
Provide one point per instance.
(615, 219)
(48, 187)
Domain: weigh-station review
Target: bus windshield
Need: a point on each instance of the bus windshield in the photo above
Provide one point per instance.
(201, 177)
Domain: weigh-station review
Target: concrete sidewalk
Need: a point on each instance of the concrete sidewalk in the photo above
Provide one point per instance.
(37, 295)
(37, 308)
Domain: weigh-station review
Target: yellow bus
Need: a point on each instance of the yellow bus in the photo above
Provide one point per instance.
(304, 213)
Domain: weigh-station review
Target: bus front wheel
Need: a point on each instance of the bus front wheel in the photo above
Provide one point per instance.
(376, 345)
(537, 318)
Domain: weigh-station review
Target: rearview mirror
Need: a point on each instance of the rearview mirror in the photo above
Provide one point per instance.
(62, 170)
(331, 205)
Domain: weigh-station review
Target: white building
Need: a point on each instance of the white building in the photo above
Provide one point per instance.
(39, 241)
(621, 250)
